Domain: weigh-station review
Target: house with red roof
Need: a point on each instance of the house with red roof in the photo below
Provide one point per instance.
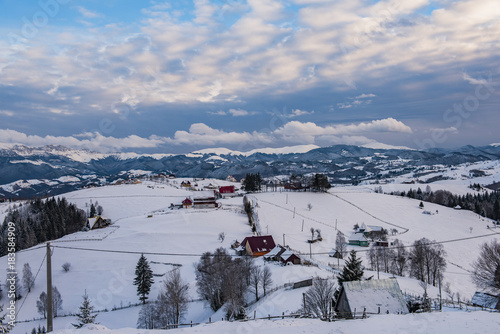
(258, 245)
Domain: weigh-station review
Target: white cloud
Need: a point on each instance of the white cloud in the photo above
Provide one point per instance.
(6, 113)
(298, 112)
(365, 96)
(89, 14)
(217, 113)
(238, 112)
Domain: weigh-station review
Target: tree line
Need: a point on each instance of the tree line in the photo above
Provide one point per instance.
(486, 204)
(41, 220)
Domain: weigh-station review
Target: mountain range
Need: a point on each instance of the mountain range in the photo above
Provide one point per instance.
(50, 170)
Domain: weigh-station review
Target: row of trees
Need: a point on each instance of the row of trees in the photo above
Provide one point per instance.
(40, 221)
(253, 182)
(425, 260)
(486, 204)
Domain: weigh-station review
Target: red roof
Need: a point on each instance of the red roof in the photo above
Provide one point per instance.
(260, 244)
(187, 201)
(226, 189)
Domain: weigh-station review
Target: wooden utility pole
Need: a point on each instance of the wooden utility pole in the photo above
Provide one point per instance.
(49, 290)
(284, 244)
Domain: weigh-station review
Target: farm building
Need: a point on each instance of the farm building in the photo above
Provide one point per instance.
(373, 296)
(97, 222)
(258, 245)
(226, 191)
(186, 184)
(288, 257)
(275, 253)
(204, 199)
(231, 178)
(486, 300)
(358, 239)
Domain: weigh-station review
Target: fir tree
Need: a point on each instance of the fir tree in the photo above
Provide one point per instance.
(92, 210)
(352, 270)
(143, 278)
(85, 316)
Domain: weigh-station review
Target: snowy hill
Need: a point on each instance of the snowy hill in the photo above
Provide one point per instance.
(103, 261)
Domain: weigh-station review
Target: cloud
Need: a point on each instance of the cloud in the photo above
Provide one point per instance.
(364, 96)
(298, 112)
(238, 112)
(88, 13)
(217, 113)
(93, 141)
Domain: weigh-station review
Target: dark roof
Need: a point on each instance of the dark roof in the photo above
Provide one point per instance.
(226, 189)
(259, 244)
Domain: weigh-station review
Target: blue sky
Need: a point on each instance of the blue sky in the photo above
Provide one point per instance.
(177, 76)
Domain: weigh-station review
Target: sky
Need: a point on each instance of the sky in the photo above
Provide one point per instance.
(178, 76)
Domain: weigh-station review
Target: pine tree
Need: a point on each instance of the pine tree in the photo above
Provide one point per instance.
(352, 270)
(92, 210)
(143, 278)
(85, 316)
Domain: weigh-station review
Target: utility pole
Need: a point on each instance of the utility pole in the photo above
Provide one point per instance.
(310, 250)
(440, 299)
(302, 225)
(293, 212)
(335, 224)
(284, 244)
(49, 290)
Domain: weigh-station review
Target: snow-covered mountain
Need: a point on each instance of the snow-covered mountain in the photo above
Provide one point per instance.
(36, 171)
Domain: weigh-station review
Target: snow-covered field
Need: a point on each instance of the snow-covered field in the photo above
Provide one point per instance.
(107, 276)
(457, 322)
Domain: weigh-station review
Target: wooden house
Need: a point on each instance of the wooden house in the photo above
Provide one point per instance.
(97, 222)
(275, 253)
(373, 297)
(258, 245)
(187, 203)
(289, 257)
(186, 184)
(358, 239)
(226, 191)
(205, 199)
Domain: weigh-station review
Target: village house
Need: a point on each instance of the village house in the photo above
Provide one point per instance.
(358, 239)
(288, 257)
(187, 203)
(231, 178)
(275, 253)
(358, 298)
(204, 199)
(258, 245)
(97, 222)
(186, 184)
(226, 191)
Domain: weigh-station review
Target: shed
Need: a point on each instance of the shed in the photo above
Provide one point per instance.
(97, 222)
(258, 245)
(275, 253)
(358, 239)
(374, 296)
(288, 257)
(487, 300)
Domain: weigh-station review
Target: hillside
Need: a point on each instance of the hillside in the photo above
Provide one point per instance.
(103, 261)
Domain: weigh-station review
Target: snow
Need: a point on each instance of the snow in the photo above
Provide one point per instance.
(376, 145)
(107, 277)
(280, 150)
(452, 322)
(68, 179)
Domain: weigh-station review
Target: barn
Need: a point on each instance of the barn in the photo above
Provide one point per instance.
(204, 199)
(226, 191)
(373, 296)
(487, 300)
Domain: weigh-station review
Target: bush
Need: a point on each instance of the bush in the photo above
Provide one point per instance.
(66, 266)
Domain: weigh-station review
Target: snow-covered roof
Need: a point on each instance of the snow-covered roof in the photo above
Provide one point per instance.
(286, 255)
(486, 300)
(373, 294)
(357, 237)
(92, 221)
(203, 195)
(274, 252)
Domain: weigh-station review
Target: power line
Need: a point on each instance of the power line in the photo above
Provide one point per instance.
(34, 280)
(316, 253)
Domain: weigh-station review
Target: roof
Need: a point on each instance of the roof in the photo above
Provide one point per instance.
(372, 294)
(486, 300)
(187, 201)
(92, 221)
(276, 251)
(286, 255)
(370, 228)
(264, 243)
(357, 237)
(226, 189)
(201, 195)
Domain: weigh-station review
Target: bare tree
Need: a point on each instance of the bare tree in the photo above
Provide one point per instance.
(99, 209)
(427, 261)
(222, 236)
(255, 280)
(400, 259)
(173, 299)
(41, 304)
(340, 246)
(56, 300)
(486, 272)
(267, 279)
(148, 317)
(309, 206)
(319, 298)
(28, 278)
